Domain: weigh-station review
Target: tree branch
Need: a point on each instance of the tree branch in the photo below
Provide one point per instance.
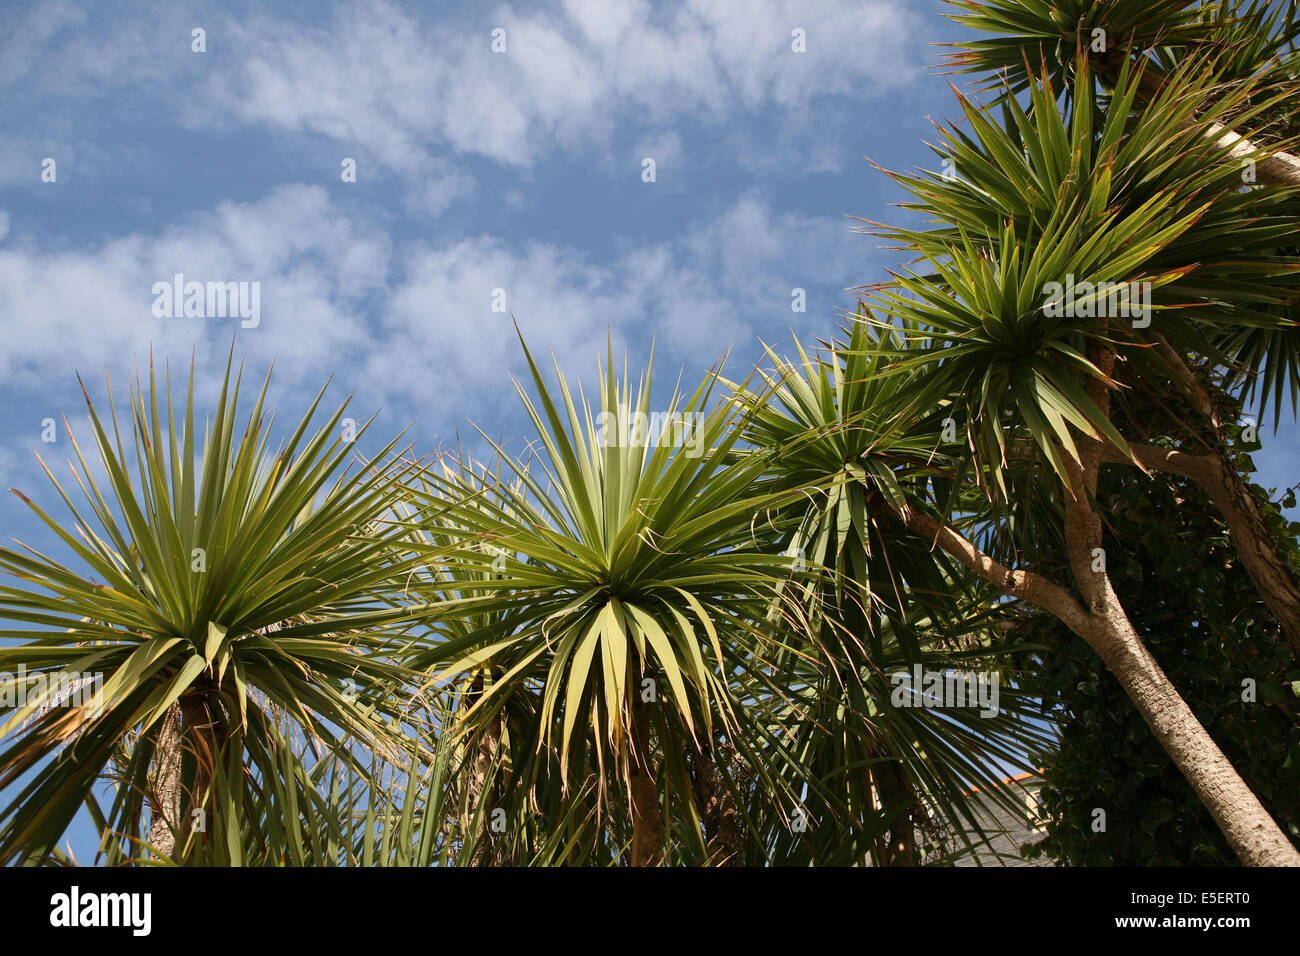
(1251, 537)
(1150, 458)
(1202, 401)
(1025, 585)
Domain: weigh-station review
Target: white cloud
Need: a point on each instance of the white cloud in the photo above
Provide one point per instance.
(664, 147)
(79, 50)
(20, 52)
(605, 24)
(384, 85)
(439, 185)
(751, 249)
(726, 280)
(410, 327)
(851, 48)
(80, 309)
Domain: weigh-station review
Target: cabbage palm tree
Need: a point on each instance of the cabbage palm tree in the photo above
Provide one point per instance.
(628, 588)
(1250, 41)
(1011, 320)
(875, 602)
(406, 808)
(1162, 124)
(237, 590)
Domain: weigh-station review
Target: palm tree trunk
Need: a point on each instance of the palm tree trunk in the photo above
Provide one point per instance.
(1252, 539)
(1254, 836)
(895, 791)
(647, 821)
(1250, 830)
(1101, 621)
(1273, 577)
(1251, 536)
(723, 827)
(1252, 833)
(485, 760)
(487, 745)
(165, 785)
(485, 757)
(200, 732)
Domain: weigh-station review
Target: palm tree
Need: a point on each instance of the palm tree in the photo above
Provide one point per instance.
(627, 590)
(1248, 39)
(1026, 365)
(672, 636)
(232, 601)
(1186, 72)
(495, 811)
(875, 603)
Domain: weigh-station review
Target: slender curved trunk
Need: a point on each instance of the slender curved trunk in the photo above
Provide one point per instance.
(1252, 539)
(1250, 830)
(1274, 579)
(1254, 836)
(647, 821)
(1252, 833)
(486, 748)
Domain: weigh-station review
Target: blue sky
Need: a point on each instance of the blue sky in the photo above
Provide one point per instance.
(476, 170)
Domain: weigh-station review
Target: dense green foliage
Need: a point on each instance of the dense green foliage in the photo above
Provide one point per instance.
(1200, 616)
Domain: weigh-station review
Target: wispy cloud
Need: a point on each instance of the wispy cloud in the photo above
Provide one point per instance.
(411, 323)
